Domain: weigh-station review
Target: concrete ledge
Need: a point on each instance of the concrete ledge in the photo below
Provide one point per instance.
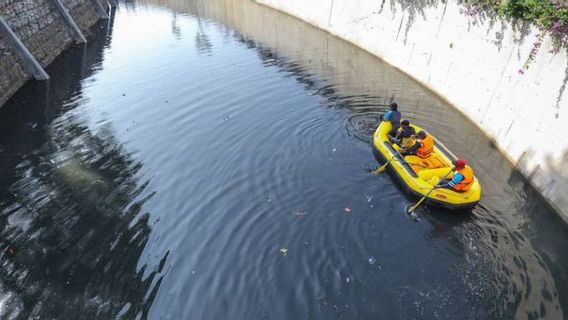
(474, 62)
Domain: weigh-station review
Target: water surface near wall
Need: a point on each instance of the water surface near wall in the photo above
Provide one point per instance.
(477, 60)
(162, 175)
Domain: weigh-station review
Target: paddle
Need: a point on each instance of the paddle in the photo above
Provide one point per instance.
(411, 209)
(383, 167)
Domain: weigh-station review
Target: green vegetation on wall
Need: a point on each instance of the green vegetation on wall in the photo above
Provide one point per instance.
(550, 16)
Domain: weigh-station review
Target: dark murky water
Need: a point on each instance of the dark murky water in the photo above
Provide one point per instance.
(169, 161)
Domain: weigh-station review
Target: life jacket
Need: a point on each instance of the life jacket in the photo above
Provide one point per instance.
(426, 147)
(405, 137)
(407, 142)
(467, 180)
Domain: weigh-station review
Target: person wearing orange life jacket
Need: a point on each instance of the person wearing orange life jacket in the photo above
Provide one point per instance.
(462, 180)
(422, 148)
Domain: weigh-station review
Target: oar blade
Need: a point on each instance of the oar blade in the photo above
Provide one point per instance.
(409, 209)
(381, 169)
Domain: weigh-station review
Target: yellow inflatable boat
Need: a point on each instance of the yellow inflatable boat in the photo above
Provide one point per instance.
(419, 176)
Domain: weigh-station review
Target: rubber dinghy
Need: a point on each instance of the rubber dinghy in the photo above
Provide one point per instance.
(419, 176)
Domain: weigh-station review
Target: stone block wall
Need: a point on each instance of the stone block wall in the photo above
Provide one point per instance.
(12, 73)
(41, 28)
(83, 12)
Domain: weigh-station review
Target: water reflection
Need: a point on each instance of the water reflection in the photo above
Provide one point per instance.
(72, 223)
(202, 42)
(165, 174)
(346, 77)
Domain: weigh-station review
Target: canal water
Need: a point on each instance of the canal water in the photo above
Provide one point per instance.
(211, 160)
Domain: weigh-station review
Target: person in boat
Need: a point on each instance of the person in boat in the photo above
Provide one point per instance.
(404, 135)
(423, 147)
(462, 180)
(394, 117)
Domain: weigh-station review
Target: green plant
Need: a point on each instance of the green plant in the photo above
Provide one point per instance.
(551, 17)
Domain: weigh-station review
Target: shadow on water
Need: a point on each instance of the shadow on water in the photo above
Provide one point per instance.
(72, 225)
(543, 230)
(284, 225)
(525, 273)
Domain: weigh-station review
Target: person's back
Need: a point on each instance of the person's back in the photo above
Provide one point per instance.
(426, 146)
(463, 177)
(404, 135)
(422, 148)
(394, 117)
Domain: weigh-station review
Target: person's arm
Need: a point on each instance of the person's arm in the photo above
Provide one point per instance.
(458, 177)
(387, 116)
(399, 134)
(413, 148)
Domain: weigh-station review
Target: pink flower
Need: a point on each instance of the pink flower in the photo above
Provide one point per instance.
(473, 10)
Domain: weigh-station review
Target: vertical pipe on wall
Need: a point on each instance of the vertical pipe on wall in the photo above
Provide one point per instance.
(112, 15)
(30, 61)
(69, 22)
(101, 12)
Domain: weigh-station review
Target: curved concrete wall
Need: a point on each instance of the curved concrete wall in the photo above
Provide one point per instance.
(473, 61)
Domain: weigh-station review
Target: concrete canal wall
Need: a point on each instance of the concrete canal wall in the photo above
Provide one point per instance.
(45, 28)
(475, 61)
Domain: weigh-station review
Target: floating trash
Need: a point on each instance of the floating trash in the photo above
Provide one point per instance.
(372, 260)
(33, 126)
(348, 210)
(284, 251)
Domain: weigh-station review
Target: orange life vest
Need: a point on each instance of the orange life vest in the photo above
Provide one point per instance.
(467, 180)
(426, 147)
